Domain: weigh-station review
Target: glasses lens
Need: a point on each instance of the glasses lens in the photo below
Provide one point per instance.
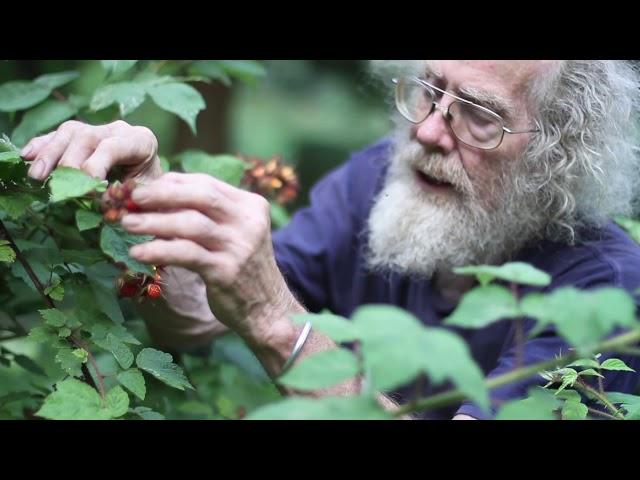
(413, 100)
(475, 126)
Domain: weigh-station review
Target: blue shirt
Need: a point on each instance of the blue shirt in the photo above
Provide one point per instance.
(321, 255)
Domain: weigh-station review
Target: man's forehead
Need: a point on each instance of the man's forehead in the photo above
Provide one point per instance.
(509, 76)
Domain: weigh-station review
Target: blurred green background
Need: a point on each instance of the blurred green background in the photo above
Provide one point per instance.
(313, 113)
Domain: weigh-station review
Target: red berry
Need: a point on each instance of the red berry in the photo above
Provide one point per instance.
(112, 215)
(154, 291)
(128, 290)
(131, 206)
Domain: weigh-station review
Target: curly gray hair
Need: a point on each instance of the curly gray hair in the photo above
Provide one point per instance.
(583, 166)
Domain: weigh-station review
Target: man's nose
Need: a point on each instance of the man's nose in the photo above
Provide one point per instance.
(434, 132)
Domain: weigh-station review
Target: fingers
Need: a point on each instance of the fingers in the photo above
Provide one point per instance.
(189, 225)
(169, 195)
(182, 253)
(94, 149)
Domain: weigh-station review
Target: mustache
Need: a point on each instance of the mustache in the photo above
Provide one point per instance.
(443, 169)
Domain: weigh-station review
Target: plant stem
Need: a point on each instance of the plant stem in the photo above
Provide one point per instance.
(602, 414)
(25, 264)
(453, 396)
(94, 364)
(600, 397)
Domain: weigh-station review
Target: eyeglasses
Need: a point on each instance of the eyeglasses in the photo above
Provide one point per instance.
(472, 124)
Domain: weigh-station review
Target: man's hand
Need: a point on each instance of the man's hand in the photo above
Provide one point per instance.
(224, 234)
(95, 150)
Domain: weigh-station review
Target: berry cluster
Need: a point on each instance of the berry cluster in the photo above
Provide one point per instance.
(271, 178)
(139, 285)
(116, 201)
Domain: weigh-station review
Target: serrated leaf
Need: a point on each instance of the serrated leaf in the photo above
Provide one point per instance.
(326, 408)
(483, 306)
(15, 206)
(55, 291)
(227, 168)
(120, 351)
(42, 335)
(87, 220)
(337, 328)
(71, 360)
(585, 362)
(117, 67)
(322, 370)
(75, 400)
(180, 99)
(115, 243)
(133, 381)
(42, 118)
(615, 364)
(10, 157)
(147, 414)
(69, 182)
(397, 348)
(64, 332)
(100, 331)
(127, 95)
(20, 95)
(582, 317)
(53, 317)
(116, 402)
(56, 80)
(539, 405)
(160, 365)
(515, 272)
(568, 378)
(7, 255)
(574, 411)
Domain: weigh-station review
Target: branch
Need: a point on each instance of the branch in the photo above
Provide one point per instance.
(600, 397)
(455, 396)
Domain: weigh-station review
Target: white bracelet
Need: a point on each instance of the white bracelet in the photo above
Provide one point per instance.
(298, 347)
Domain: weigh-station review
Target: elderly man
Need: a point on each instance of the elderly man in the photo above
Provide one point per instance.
(491, 161)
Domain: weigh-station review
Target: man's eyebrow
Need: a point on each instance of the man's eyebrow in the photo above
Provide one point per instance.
(493, 102)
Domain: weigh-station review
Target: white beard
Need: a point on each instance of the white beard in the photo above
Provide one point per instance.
(416, 233)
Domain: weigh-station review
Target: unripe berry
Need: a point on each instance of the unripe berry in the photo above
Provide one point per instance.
(112, 215)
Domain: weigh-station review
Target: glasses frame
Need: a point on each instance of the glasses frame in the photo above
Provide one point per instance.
(445, 111)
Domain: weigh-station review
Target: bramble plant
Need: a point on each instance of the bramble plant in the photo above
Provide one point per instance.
(73, 347)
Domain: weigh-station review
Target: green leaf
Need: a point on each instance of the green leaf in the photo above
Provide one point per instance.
(20, 95)
(624, 398)
(585, 362)
(590, 372)
(179, 98)
(245, 70)
(146, 413)
(569, 377)
(539, 405)
(633, 412)
(100, 332)
(161, 366)
(83, 257)
(86, 220)
(211, 69)
(42, 335)
(75, 400)
(117, 402)
(10, 157)
(326, 408)
(227, 168)
(582, 317)
(7, 255)
(133, 381)
(41, 119)
(117, 67)
(56, 80)
(64, 332)
(631, 226)
(28, 364)
(574, 411)
(128, 95)
(71, 360)
(322, 370)
(69, 182)
(337, 328)
(115, 243)
(615, 364)
(55, 291)
(53, 317)
(515, 272)
(397, 348)
(117, 347)
(483, 306)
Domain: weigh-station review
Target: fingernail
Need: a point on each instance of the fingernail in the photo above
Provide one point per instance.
(130, 221)
(26, 150)
(37, 169)
(138, 194)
